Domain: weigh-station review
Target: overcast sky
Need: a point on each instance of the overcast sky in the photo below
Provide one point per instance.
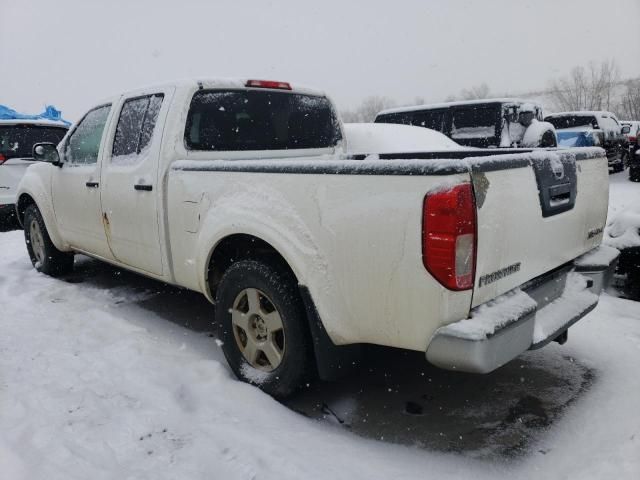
(73, 53)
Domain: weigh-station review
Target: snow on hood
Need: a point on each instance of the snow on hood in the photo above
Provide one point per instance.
(365, 138)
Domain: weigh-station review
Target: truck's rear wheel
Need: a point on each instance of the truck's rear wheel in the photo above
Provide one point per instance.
(262, 326)
(45, 257)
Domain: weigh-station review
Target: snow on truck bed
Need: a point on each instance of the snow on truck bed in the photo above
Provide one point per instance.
(392, 138)
(95, 385)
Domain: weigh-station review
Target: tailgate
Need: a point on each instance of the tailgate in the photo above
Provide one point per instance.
(536, 211)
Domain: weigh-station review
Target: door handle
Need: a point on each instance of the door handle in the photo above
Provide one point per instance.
(144, 188)
(92, 184)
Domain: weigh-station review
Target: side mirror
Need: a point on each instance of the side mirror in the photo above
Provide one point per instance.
(626, 129)
(46, 152)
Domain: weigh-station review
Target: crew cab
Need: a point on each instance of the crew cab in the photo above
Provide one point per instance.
(243, 190)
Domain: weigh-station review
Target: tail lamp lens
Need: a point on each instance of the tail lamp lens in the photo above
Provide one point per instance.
(449, 236)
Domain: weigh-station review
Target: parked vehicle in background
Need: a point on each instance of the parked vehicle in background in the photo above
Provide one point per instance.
(241, 190)
(17, 138)
(501, 122)
(634, 130)
(623, 233)
(634, 161)
(614, 141)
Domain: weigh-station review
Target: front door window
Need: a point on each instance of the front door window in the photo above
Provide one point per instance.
(83, 145)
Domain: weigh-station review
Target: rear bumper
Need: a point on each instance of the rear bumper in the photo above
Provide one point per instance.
(526, 318)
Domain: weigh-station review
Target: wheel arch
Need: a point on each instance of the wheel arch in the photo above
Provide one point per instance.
(331, 361)
(235, 247)
(24, 201)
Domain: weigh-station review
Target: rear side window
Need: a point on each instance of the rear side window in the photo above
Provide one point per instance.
(433, 119)
(136, 123)
(474, 122)
(231, 120)
(16, 141)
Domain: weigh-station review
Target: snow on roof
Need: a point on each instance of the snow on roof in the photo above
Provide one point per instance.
(430, 106)
(24, 121)
(364, 138)
(582, 113)
(235, 83)
(40, 122)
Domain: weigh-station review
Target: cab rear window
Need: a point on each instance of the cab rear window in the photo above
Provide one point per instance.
(573, 121)
(231, 120)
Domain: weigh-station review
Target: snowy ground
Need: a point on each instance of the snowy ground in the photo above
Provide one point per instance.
(106, 375)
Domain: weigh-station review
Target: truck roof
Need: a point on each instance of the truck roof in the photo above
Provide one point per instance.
(235, 83)
(430, 106)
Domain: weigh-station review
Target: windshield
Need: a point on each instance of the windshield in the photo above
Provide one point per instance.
(573, 121)
(260, 120)
(16, 141)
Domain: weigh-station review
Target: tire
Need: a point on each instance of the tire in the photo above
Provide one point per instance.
(634, 174)
(548, 140)
(45, 257)
(263, 327)
(618, 167)
(632, 286)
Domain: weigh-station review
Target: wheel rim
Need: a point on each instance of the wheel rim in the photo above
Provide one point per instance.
(258, 329)
(37, 242)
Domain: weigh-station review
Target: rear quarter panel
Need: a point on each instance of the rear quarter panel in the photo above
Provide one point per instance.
(353, 240)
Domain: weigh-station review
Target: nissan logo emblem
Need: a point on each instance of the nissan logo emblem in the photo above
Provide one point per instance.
(557, 168)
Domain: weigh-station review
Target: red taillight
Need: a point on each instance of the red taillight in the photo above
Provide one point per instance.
(268, 84)
(2, 159)
(449, 236)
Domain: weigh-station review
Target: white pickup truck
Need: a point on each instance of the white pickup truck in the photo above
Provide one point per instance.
(245, 191)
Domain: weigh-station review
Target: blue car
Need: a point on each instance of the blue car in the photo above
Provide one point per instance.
(579, 138)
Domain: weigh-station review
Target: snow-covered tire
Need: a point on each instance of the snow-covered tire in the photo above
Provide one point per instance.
(262, 326)
(45, 257)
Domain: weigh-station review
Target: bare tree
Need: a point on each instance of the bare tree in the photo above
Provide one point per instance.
(368, 109)
(630, 103)
(590, 88)
(475, 93)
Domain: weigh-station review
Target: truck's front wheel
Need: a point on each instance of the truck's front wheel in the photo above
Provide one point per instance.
(45, 257)
(262, 326)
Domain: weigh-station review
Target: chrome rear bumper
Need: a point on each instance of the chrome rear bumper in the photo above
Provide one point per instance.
(526, 318)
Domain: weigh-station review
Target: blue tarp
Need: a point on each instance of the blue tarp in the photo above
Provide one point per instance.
(50, 113)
